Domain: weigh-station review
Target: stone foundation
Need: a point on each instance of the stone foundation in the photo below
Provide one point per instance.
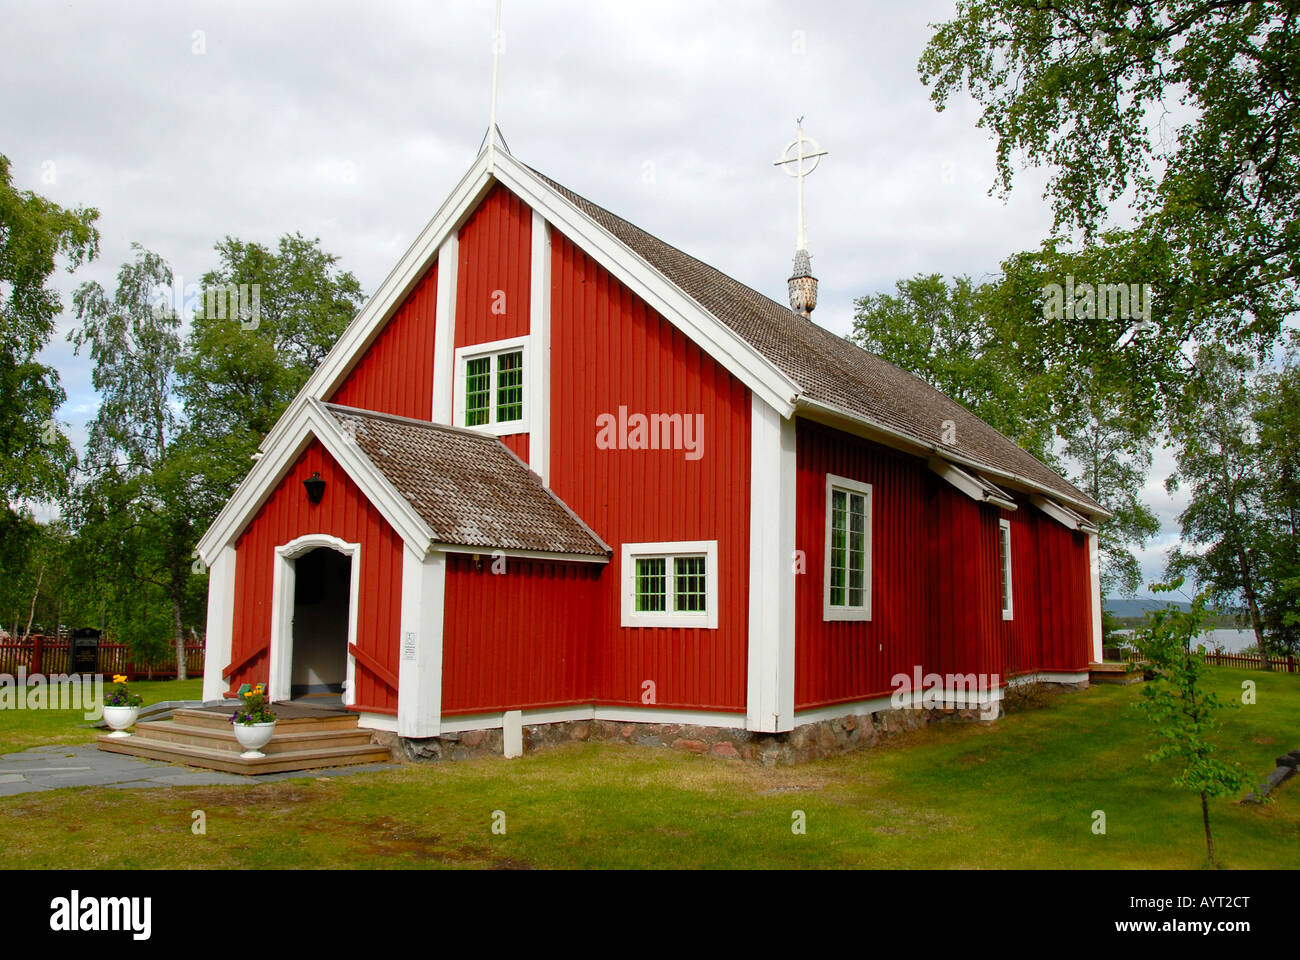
(807, 742)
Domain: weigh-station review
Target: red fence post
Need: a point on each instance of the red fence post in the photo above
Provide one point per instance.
(38, 651)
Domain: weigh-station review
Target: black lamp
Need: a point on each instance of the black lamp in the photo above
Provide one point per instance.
(315, 485)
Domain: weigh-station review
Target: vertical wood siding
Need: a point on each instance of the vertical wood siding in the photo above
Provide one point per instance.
(495, 267)
(935, 582)
(518, 640)
(344, 512)
(609, 349)
(495, 247)
(395, 375)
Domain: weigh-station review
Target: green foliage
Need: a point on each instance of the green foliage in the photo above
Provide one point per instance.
(1181, 710)
(121, 696)
(980, 346)
(35, 457)
(255, 707)
(1085, 89)
(133, 509)
(948, 335)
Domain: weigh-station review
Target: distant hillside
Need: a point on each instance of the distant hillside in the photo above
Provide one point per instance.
(1139, 606)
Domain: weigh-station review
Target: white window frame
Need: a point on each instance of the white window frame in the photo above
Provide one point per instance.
(631, 552)
(1007, 598)
(494, 349)
(840, 612)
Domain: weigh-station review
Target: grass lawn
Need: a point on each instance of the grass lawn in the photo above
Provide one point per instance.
(1020, 793)
(21, 729)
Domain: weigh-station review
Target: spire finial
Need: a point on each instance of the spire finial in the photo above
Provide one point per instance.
(805, 154)
(493, 131)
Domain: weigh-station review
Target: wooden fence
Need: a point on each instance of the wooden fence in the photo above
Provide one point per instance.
(1279, 665)
(48, 656)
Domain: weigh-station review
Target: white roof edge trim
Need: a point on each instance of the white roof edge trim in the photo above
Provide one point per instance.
(718, 340)
(834, 413)
(981, 491)
(313, 420)
(390, 294)
(735, 354)
(1061, 514)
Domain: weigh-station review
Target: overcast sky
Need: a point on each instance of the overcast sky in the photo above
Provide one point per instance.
(184, 122)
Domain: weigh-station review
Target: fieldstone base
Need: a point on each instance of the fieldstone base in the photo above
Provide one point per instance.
(807, 742)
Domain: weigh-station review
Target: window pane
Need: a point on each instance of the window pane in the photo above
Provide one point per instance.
(478, 391)
(857, 549)
(651, 586)
(1005, 541)
(839, 542)
(689, 586)
(510, 386)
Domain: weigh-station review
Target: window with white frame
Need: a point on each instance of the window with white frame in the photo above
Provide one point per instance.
(1004, 549)
(491, 392)
(848, 550)
(671, 584)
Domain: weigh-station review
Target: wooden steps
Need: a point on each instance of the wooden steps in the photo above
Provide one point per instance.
(205, 738)
(1117, 673)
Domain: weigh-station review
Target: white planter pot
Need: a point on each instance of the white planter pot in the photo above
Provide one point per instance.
(120, 718)
(253, 737)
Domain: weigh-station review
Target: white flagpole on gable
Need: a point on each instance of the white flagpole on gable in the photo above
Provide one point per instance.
(496, 58)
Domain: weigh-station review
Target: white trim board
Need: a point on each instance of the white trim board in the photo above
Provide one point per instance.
(769, 682)
(522, 345)
(313, 421)
(844, 611)
(279, 684)
(493, 721)
(730, 350)
(979, 490)
(861, 426)
(629, 616)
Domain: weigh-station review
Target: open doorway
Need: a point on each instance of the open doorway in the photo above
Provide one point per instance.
(321, 597)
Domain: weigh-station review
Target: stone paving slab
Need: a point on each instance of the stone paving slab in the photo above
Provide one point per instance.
(84, 765)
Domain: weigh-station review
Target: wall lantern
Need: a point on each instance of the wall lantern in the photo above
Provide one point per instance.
(315, 487)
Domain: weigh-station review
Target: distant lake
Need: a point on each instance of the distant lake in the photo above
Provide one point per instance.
(1232, 641)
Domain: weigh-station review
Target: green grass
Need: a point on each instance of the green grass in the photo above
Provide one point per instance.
(1020, 793)
(21, 729)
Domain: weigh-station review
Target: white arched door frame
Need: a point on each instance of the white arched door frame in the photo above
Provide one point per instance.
(280, 677)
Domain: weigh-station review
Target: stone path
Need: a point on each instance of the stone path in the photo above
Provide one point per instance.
(49, 768)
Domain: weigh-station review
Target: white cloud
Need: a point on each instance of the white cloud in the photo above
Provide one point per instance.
(352, 122)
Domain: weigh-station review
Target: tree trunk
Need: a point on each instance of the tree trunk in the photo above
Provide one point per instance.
(31, 614)
(1205, 816)
(180, 640)
(1256, 621)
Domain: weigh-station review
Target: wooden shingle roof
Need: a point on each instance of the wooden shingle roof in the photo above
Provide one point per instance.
(467, 486)
(829, 369)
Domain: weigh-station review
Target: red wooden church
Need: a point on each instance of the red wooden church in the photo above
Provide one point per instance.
(558, 470)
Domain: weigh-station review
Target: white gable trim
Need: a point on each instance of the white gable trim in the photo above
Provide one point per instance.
(716, 339)
(312, 420)
(740, 359)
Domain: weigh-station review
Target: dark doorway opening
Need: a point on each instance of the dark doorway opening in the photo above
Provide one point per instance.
(322, 593)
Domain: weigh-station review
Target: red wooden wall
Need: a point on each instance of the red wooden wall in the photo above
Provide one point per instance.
(1052, 604)
(395, 375)
(518, 640)
(609, 349)
(344, 512)
(936, 587)
(495, 246)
